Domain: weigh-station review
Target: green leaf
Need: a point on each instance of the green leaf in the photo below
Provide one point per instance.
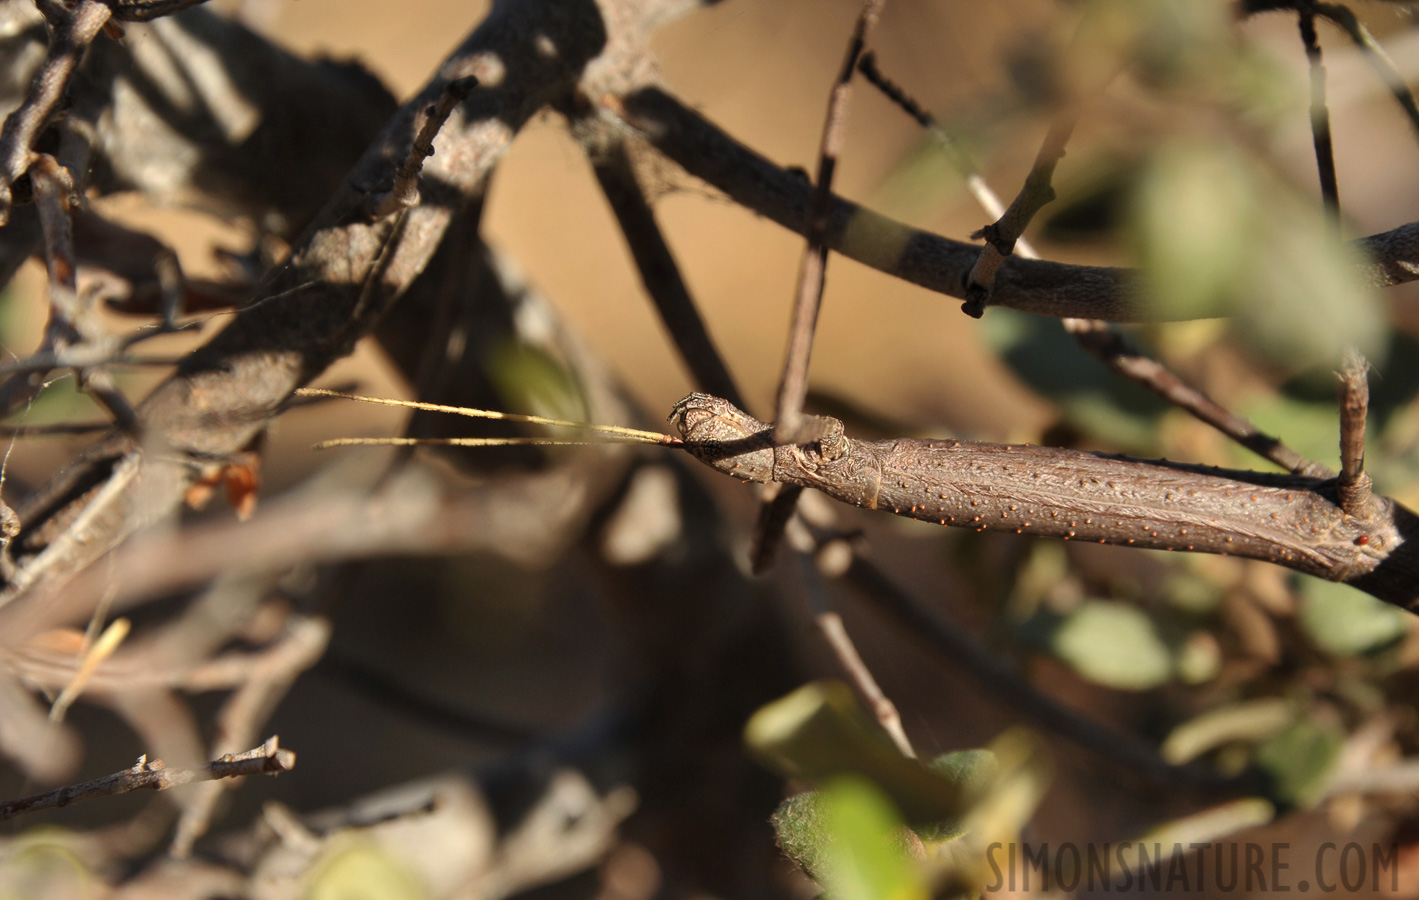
(867, 859)
(1298, 762)
(1218, 236)
(819, 732)
(1113, 644)
(801, 834)
(1344, 622)
(530, 380)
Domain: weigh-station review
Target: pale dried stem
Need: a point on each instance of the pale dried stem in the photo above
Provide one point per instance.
(885, 711)
(1354, 487)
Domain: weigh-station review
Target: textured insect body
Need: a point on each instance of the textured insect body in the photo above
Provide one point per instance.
(1291, 520)
(1068, 494)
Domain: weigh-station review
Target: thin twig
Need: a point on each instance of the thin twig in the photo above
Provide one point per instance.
(247, 710)
(1320, 119)
(1354, 486)
(148, 10)
(659, 271)
(777, 503)
(268, 759)
(949, 644)
(1116, 351)
(962, 163)
(835, 634)
(808, 293)
(1375, 55)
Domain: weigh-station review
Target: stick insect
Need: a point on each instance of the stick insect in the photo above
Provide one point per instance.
(1290, 520)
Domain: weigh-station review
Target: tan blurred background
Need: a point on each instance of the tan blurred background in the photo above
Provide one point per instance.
(761, 70)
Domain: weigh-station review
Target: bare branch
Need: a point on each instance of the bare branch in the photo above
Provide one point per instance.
(72, 32)
(1110, 294)
(151, 775)
(1116, 351)
(349, 270)
(147, 10)
(1375, 55)
(246, 712)
(808, 292)
(405, 190)
(654, 260)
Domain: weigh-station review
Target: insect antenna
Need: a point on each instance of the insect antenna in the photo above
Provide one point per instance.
(608, 434)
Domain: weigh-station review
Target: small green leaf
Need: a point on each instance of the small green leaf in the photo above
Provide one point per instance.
(1217, 235)
(801, 834)
(1311, 428)
(973, 772)
(1113, 644)
(1344, 622)
(1298, 761)
(530, 380)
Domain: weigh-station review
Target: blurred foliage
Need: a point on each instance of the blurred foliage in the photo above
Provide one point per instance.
(43, 864)
(530, 381)
(1113, 644)
(1217, 236)
(864, 831)
(1345, 622)
(1298, 761)
(360, 870)
(1090, 398)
